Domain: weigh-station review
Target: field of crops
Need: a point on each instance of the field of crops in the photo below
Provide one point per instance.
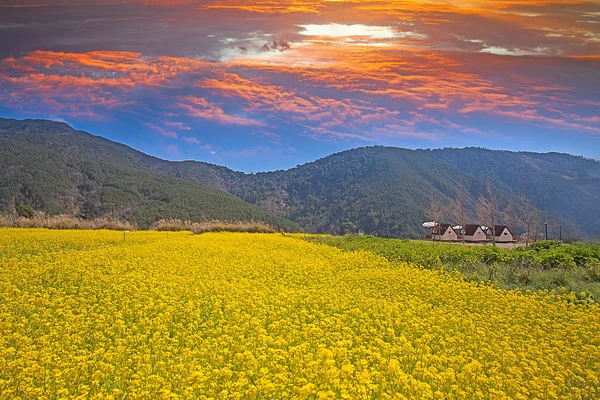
(543, 266)
(234, 315)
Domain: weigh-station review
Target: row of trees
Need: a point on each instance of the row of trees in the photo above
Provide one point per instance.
(489, 210)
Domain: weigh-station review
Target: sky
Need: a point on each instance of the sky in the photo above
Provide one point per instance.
(260, 85)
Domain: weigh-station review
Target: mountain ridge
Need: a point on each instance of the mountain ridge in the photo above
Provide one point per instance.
(50, 165)
(378, 189)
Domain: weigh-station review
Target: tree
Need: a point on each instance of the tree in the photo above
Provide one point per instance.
(511, 217)
(487, 208)
(535, 215)
(457, 207)
(436, 211)
(529, 214)
(12, 211)
(12, 207)
(71, 202)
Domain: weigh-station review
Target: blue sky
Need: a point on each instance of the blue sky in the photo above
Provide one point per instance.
(261, 85)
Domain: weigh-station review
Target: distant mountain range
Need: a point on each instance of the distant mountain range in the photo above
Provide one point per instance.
(379, 190)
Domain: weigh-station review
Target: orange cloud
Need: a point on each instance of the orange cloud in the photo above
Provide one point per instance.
(422, 78)
(323, 87)
(267, 7)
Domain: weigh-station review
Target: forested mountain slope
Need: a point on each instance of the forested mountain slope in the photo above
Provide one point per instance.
(51, 167)
(387, 190)
(380, 190)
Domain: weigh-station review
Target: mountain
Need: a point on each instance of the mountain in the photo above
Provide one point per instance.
(387, 190)
(380, 190)
(52, 167)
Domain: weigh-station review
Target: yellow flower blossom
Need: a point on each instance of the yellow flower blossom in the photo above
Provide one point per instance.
(86, 314)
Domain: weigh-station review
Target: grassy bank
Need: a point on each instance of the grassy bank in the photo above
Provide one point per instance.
(212, 226)
(62, 221)
(40, 220)
(547, 265)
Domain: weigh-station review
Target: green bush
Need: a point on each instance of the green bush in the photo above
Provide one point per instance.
(556, 259)
(545, 245)
(26, 211)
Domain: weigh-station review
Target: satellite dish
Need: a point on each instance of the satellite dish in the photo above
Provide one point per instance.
(457, 227)
(429, 224)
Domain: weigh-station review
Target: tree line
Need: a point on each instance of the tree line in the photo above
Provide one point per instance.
(491, 210)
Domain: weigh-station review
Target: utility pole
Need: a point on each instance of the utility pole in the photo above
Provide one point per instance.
(560, 232)
(546, 226)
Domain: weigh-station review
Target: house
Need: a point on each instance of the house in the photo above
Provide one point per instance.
(473, 233)
(444, 232)
(503, 234)
(488, 232)
(459, 232)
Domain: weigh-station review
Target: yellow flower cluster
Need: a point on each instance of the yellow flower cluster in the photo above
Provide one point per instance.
(89, 315)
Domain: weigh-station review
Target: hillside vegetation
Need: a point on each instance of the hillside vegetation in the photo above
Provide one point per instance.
(546, 265)
(380, 190)
(387, 191)
(53, 168)
(564, 186)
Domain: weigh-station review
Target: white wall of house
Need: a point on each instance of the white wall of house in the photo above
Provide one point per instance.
(505, 236)
(448, 236)
(478, 236)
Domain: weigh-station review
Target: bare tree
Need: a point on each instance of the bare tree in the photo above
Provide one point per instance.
(529, 214)
(12, 207)
(12, 210)
(510, 216)
(535, 224)
(487, 209)
(436, 212)
(72, 203)
(457, 208)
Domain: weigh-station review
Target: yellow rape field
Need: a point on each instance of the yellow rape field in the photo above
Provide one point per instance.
(84, 314)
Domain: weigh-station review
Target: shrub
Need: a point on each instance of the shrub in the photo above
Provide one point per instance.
(593, 271)
(225, 226)
(172, 225)
(63, 221)
(545, 245)
(212, 226)
(25, 211)
(490, 255)
(555, 259)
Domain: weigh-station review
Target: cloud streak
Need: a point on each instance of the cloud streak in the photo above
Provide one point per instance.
(360, 72)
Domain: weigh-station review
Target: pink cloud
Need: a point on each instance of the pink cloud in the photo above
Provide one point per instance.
(200, 108)
(178, 125)
(191, 140)
(162, 131)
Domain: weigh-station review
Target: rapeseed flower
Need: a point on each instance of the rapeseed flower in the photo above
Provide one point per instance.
(86, 314)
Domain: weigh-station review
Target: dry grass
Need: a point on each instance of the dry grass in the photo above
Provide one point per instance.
(40, 220)
(172, 225)
(212, 226)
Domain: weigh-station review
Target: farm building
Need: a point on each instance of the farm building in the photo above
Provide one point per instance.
(474, 233)
(459, 232)
(503, 234)
(444, 232)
